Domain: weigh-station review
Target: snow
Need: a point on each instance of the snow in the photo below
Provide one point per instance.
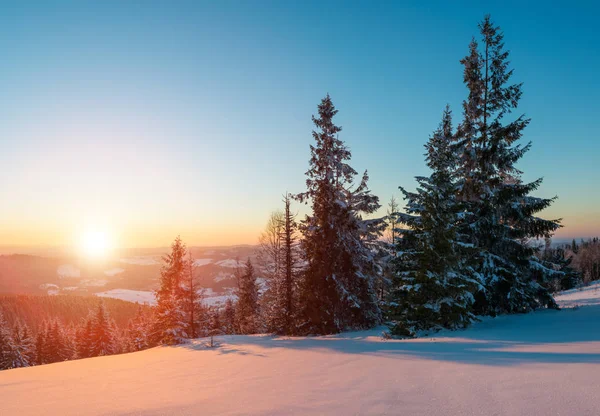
(137, 296)
(67, 270)
(113, 272)
(46, 286)
(202, 262)
(218, 300)
(140, 261)
(223, 276)
(210, 298)
(543, 363)
(94, 282)
(587, 295)
(231, 263)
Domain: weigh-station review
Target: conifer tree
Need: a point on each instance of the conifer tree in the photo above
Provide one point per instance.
(171, 320)
(247, 305)
(191, 298)
(102, 340)
(40, 344)
(84, 337)
(435, 282)
(138, 332)
(8, 350)
(290, 267)
(24, 346)
(499, 212)
(229, 317)
(279, 257)
(338, 289)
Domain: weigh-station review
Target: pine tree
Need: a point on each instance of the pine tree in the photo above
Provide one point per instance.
(435, 284)
(55, 346)
(24, 346)
(8, 349)
(102, 337)
(138, 332)
(290, 267)
(84, 337)
(192, 298)
(247, 305)
(229, 317)
(338, 289)
(171, 320)
(278, 254)
(499, 212)
(40, 344)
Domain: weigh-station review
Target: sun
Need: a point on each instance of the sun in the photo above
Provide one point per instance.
(95, 243)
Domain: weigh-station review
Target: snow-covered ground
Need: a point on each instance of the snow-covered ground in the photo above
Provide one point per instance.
(140, 260)
(202, 262)
(588, 295)
(544, 363)
(210, 298)
(231, 263)
(67, 270)
(138, 296)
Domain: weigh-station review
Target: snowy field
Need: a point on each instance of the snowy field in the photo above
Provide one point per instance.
(137, 296)
(546, 363)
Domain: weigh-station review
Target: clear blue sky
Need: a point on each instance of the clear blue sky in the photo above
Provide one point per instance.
(161, 118)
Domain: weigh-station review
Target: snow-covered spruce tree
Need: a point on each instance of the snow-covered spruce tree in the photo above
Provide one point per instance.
(24, 346)
(557, 259)
(40, 344)
(170, 317)
(247, 305)
(138, 331)
(55, 344)
(102, 337)
(338, 288)
(83, 337)
(500, 214)
(434, 283)
(8, 349)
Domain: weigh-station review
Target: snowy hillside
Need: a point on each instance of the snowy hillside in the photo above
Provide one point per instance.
(545, 363)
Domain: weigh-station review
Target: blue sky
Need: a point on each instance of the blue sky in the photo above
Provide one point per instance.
(192, 118)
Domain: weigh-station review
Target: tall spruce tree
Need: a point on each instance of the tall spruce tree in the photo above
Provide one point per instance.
(24, 346)
(434, 282)
(338, 290)
(171, 319)
(499, 211)
(247, 305)
(102, 337)
(8, 349)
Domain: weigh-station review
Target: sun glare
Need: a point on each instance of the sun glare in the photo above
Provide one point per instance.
(95, 243)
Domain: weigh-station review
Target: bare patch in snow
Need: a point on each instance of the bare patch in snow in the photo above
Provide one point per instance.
(202, 262)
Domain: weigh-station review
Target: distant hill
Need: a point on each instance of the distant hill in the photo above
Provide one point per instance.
(134, 269)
